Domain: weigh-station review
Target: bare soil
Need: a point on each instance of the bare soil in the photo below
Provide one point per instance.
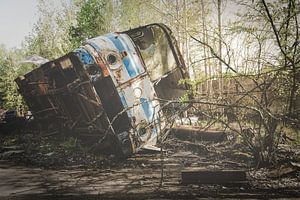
(34, 167)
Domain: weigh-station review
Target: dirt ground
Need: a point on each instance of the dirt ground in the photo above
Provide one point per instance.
(45, 168)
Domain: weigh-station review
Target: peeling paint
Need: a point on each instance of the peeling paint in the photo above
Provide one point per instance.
(120, 90)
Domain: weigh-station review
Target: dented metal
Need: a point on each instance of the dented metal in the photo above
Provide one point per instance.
(110, 86)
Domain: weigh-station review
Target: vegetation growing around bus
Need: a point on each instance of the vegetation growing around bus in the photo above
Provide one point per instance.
(244, 66)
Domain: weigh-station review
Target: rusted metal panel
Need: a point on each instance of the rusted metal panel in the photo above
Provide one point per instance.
(60, 93)
(108, 86)
(131, 82)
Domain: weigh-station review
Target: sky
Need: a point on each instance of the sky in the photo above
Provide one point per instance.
(17, 18)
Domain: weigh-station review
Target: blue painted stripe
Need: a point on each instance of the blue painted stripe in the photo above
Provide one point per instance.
(137, 66)
(148, 109)
(126, 61)
(125, 105)
(84, 56)
(123, 100)
(98, 49)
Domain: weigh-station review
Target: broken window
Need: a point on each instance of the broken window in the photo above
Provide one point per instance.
(162, 59)
(155, 51)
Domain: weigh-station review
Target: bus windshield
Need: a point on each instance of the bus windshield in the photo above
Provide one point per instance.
(155, 50)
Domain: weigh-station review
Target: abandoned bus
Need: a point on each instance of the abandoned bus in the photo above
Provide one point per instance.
(109, 88)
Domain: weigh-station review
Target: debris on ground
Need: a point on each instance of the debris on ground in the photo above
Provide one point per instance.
(142, 173)
(204, 176)
(107, 89)
(193, 133)
(11, 120)
(284, 169)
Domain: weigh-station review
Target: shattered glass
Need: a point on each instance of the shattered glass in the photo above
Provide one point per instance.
(156, 52)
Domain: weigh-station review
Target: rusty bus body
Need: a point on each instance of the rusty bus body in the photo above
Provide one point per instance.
(109, 87)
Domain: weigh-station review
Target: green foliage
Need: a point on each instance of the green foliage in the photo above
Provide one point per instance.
(271, 66)
(8, 141)
(72, 145)
(90, 21)
(49, 37)
(9, 70)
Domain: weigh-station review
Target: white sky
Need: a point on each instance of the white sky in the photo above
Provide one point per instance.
(17, 18)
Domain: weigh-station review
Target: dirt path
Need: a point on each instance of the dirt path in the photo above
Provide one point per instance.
(139, 182)
(20, 180)
(42, 173)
